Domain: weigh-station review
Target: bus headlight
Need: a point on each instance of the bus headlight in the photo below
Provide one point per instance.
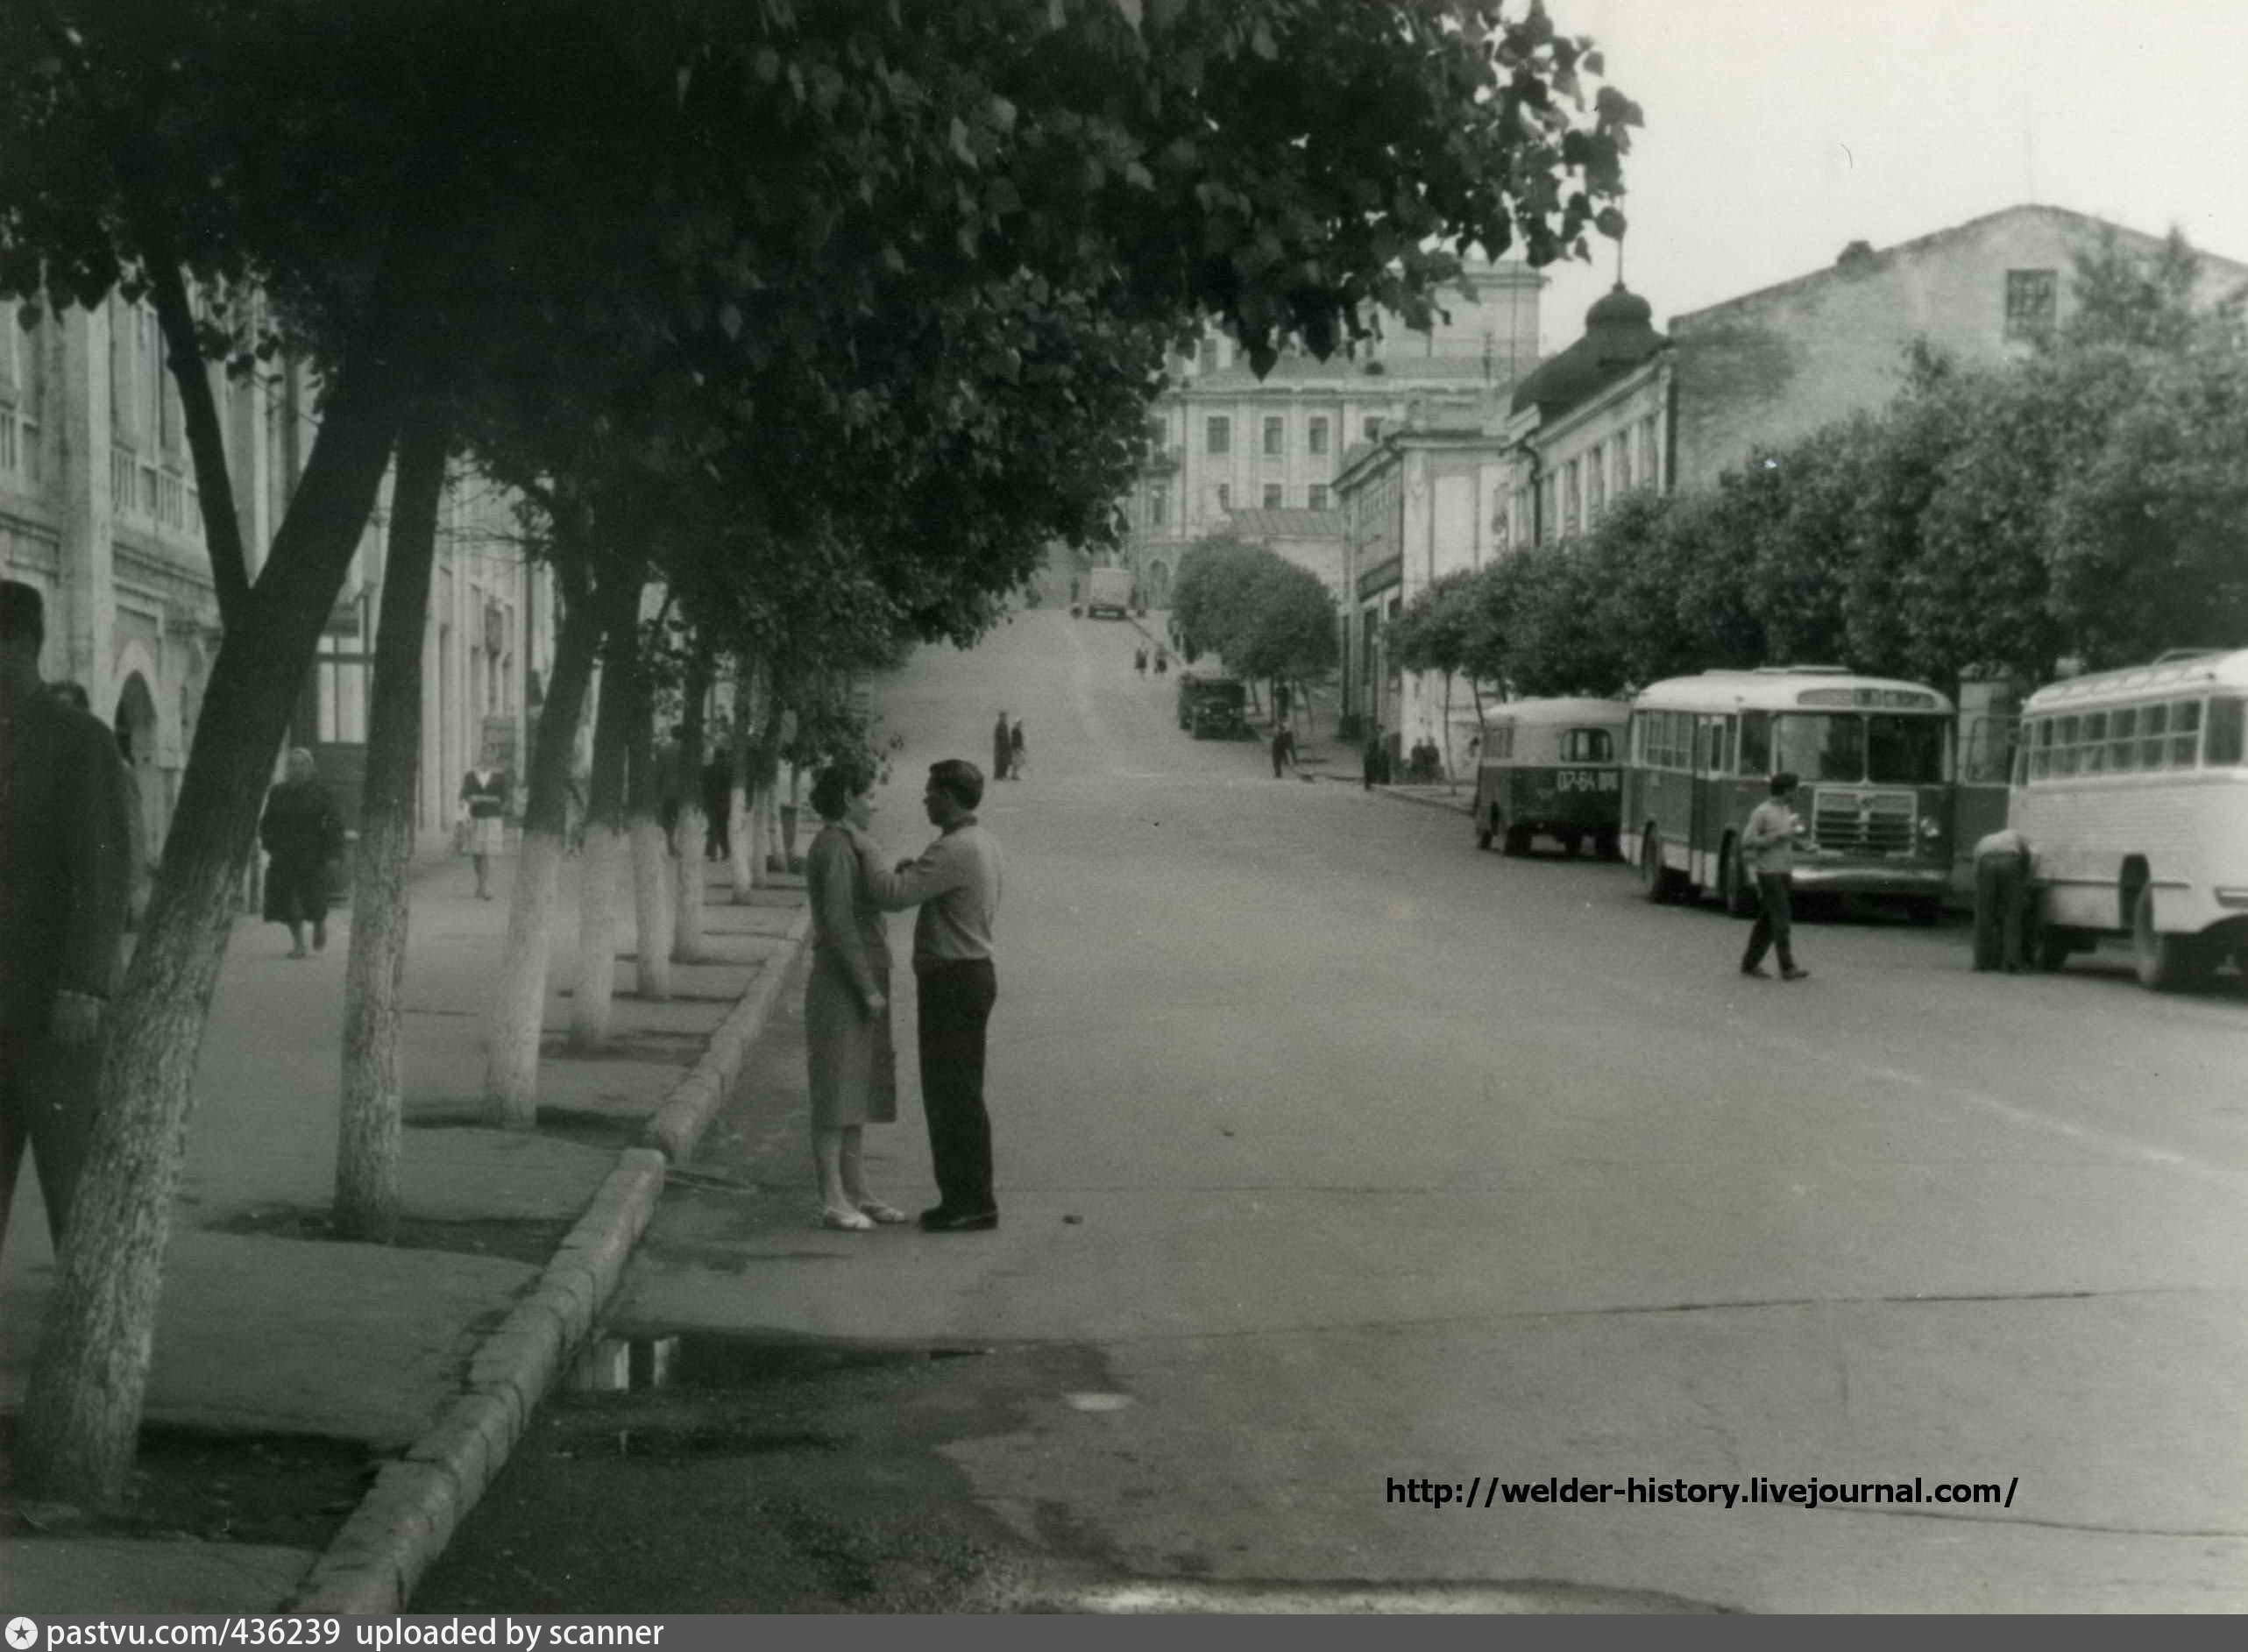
(1932, 828)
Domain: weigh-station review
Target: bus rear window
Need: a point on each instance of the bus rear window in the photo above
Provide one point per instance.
(2222, 749)
(1587, 746)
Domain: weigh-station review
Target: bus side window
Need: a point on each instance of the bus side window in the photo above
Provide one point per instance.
(2041, 749)
(2222, 745)
(2184, 732)
(2064, 746)
(2153, 732)
(1755, 742)
(2093, 733)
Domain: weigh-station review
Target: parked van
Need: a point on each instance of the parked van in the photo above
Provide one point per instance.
(1554, 766)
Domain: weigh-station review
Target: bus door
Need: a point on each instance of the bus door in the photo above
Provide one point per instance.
(1714, 762)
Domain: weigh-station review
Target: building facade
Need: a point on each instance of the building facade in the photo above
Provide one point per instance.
(1222, 440)
(100, 511)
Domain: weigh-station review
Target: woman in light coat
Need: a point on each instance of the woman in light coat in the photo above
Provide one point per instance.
(851, 1059)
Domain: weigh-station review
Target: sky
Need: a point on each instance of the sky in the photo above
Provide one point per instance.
(1780, 130)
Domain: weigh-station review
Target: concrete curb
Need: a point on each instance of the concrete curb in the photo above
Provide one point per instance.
(1453, 805)
(679, 1123)
(404, 1522)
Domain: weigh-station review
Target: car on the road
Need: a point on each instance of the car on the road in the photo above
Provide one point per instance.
(1213, 707)
(1552, 766)
(1108, 591)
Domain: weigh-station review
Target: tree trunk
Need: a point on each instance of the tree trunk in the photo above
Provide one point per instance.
(643, 822)
(688, 943)
(517, 1015)
(81, 1412)
(594, 999)
(373, 1095)
(749, 863)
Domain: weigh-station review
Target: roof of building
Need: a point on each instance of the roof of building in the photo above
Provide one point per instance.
(1287, 524)
(1858, 259)
(1618, 334)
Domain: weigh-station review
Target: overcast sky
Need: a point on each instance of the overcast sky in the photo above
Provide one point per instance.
(1779, 131)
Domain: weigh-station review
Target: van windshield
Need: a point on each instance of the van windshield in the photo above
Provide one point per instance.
(1873, 748)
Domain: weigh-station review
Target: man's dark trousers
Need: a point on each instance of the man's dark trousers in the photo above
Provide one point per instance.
(47, 1106)
(956, 1007)
(1773, 891)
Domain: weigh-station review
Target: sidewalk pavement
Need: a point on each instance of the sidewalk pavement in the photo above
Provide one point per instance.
(391, 1347)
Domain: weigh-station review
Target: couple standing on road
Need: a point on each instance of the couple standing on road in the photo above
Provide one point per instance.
(849, 1050)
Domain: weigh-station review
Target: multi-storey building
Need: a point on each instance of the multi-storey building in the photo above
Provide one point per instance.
(99, 510)
(1223, 440)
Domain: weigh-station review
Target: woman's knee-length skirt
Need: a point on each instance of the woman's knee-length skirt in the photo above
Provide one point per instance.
(851, 1056)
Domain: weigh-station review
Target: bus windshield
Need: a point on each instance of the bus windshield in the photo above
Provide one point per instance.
(1874, 747)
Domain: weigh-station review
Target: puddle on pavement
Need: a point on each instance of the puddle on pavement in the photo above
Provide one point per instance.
(709, 1363)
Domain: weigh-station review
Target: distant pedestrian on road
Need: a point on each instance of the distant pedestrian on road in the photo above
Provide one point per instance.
(849, 1050)
(1768, 852)
(1140, 660)
(1003, 748)
(1162, 660)
(955, 883)
(65, 881)
(304, 834)
(484, 805)
(1283, 749)
(717, 806)
(1018, 753)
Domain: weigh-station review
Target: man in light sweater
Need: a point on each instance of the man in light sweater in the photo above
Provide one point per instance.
(1768, 852)
(955, 883)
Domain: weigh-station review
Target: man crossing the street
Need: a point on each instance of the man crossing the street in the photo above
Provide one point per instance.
(1768, 855)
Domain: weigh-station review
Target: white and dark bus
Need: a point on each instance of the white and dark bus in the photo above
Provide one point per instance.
(2130, 789)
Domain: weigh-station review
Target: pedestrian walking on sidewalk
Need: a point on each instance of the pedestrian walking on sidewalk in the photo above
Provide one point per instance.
(1140, 660)
(65, 882)
(1374, 760)
(717, 803)
(484, 803)
(849, 1053)
(303, 833)
(1003, 747)
(1768, 853)
(1018, 753)
(1283, 749)
(955, 883)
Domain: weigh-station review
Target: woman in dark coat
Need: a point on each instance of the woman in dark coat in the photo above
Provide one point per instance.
(304, 835)
(852, 1061)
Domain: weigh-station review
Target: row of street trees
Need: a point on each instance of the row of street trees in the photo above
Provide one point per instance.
(822, 320)
(2086, 505)
(1268, 620)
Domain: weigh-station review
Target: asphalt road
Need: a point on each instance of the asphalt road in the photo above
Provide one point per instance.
(1335, 1154)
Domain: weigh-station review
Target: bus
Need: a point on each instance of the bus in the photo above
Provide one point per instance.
(2130, 791)
(1554, 766)
(1873, 756)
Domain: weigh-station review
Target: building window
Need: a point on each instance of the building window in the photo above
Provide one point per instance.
(1276, 438)
(1271, 496)
(1225, 496)
(1650, 457)
(1155, 433)
(1217, 434)
(1374, 427)
(1572, 498)
(2032, 303)
(1208, 355)
(1316, 437)
(1317, 500)
(1159, 505)
(1596, 485)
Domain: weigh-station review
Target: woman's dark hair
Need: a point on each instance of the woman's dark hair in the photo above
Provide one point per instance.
(836, 786)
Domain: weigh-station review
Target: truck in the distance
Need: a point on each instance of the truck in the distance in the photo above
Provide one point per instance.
(1108, 590)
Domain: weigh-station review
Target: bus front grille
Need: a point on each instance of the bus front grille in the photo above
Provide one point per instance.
(1853, 822)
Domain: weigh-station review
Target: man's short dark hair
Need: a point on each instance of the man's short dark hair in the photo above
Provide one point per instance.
(1783, 783)
(959, 777)
(22, 613)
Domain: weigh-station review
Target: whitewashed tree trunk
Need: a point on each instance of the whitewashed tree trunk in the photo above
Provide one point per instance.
(652, 907)
(517, 1014)
(517, 1018)
(594, 997)
(690, 888)
(745, 867)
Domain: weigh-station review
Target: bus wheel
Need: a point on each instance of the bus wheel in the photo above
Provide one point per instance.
(1736, 889)
(2052, 947)
(1658, 880)
(2166, 962)
(1573, 845)
(1518, 840)
(1604, 845)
